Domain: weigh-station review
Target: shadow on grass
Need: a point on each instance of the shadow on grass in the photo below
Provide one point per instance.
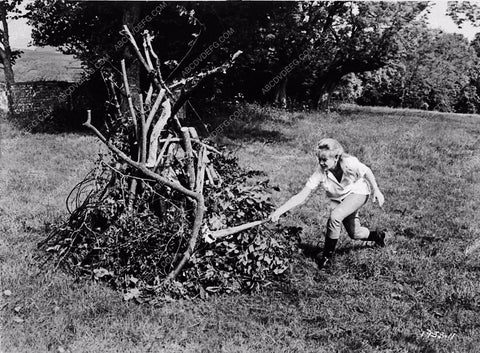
(255, 133)
(310, 250)
(347, 250)
(251, 122)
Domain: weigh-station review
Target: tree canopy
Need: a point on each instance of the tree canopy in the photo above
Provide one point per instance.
(301, 51)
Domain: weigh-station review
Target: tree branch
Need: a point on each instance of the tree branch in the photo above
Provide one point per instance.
(129, 97)
(136, 165)
(197, 80)
(197, 196)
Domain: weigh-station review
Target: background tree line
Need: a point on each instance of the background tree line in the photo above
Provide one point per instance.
(371, 53)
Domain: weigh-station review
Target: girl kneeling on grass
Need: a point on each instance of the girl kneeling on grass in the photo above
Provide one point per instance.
(347, 183)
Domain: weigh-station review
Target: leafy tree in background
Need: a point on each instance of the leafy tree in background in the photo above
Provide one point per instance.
(475, 43)
(341, 37)
(433, 68)
(464, 11)
(409, 63)
(364, 38)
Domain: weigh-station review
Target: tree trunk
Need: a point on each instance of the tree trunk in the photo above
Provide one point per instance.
(332, 75)
(327, 86)
(281, 93)
(6, 57)
(131, 17)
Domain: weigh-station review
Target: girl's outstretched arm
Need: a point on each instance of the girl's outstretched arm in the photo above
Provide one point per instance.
(377, 194)
(293, 202)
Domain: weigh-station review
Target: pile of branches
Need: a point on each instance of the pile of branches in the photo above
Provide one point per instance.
(137, 220)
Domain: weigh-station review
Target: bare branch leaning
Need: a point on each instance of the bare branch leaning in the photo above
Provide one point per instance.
(155, 129)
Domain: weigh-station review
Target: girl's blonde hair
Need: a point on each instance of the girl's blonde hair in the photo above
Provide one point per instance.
(330, 145)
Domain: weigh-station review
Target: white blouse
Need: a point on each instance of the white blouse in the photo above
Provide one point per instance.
(353, 179)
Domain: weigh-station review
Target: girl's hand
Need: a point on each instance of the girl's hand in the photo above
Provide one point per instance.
(378, 197)
(274, 216)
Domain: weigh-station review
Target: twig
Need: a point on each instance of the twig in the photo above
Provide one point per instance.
(202, 75)
(157, 129)
(148, 99)
(199, 78)
(135, 46)
(143, 131)
(208, 147)
(201, 166)
(127, 175)
(214, 173)
(157, 64)
(193, 133)
(157, 81)
(115, 99)
(209, 176)
(145, 50)
(162, 151)
(170, 154)
(189, 157)
(129, 97)
(155, 107)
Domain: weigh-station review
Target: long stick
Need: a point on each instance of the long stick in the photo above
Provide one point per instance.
(145, 50)
(189, 157)
(129, 98)
(115, 99)
(154, 109)
(162, 151)
(201, 165)
(208, 147)
(210, 237)
(143, 131)
(157, 130)
(135, 46)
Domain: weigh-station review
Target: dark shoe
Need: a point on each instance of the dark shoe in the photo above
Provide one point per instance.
(323, 262)
(378, 236)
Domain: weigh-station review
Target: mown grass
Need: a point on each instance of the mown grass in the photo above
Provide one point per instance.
(373, 300)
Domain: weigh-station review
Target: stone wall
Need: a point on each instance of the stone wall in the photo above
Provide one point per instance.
(39, 96)
(42, 104)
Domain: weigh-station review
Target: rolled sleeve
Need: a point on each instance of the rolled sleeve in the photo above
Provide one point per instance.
(315, 180)
(357, 166)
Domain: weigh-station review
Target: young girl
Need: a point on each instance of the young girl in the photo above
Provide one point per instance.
(348, 184)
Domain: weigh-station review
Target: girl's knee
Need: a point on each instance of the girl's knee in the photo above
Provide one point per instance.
(335, 217)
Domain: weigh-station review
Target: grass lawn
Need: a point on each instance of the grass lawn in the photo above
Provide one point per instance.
(419, 294)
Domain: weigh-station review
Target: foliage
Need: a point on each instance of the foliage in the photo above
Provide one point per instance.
(135, 249)
(434, 68)
(339, 38)
(248, 259)
(386, 44)
(464, 11)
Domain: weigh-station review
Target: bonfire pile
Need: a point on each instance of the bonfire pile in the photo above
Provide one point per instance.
(135, 220)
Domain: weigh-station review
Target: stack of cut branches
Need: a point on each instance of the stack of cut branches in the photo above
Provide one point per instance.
(139, 214)
(155, 154)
